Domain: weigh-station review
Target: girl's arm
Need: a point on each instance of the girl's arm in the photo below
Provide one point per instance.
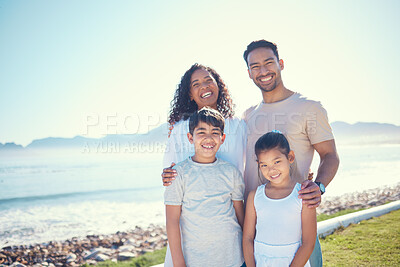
(309, 235)
(173, 214)
(239, 210)
(249, 231)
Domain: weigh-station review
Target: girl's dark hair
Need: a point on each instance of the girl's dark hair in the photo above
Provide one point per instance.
(274, 140)
(182, 107)
(270, 141)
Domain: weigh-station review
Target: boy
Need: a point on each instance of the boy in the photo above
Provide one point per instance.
(204, 206)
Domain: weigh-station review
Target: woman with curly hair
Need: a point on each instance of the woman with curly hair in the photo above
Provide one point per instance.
(201, 86)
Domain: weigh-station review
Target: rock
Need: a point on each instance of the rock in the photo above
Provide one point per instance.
(101, 257)
(92, 254)
(126, 256)
(71, 258)
(91, 262)
(126, 248)
(17, 264)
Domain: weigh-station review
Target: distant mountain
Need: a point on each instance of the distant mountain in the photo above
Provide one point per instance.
(345, 133)
(10, 146)
(157, 136)
(366, 133)
(55, 142)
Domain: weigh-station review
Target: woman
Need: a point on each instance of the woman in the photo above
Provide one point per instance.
(201, 86)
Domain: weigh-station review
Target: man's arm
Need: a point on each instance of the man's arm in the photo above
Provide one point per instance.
(173, 214)
(329, 164)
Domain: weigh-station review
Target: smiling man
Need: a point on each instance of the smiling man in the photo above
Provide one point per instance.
(304, 122)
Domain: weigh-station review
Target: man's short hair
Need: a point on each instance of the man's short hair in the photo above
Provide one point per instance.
(207, 115)
(258, 44)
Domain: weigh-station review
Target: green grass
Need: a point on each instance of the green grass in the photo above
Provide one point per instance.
(146, 260)
(374, 242)
(323, 217)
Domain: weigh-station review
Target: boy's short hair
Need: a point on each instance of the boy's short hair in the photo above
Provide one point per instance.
(207, 115)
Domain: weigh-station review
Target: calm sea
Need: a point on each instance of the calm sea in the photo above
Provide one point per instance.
(47, 197)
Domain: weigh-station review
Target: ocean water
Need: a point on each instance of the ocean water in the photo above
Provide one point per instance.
(46, 197)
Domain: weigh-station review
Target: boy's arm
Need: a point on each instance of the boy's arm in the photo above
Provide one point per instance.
(249, 231)
(239, 210)
(173, 214)
(309, 235)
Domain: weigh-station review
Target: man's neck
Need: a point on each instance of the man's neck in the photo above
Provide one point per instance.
(278, 94)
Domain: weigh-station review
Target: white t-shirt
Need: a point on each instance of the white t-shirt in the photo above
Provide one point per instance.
(211, 234)
(232, 150)
(304, 122)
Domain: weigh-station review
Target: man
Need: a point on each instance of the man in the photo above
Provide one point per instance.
(304, 122)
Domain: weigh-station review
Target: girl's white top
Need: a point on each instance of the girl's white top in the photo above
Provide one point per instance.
(278, 228)
(232, 150)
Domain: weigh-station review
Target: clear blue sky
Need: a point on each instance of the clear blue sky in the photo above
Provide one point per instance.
(62, 61)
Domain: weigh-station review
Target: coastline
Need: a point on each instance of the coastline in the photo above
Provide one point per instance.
(126, 245)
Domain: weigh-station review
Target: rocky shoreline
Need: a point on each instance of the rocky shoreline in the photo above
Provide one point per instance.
(360, 200)
(126, 245)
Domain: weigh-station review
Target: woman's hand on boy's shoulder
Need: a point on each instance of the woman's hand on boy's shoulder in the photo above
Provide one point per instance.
(310, 194)
(168, 175)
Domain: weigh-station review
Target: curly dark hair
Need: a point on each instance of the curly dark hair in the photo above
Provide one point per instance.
(182, 107)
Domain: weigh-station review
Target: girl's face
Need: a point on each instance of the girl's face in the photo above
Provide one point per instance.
(275, 166)
(203, 89)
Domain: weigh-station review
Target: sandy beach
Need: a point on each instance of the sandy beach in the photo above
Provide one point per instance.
(129, 244)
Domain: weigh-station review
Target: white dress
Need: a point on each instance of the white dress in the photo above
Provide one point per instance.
(278, 228)
(232, 150)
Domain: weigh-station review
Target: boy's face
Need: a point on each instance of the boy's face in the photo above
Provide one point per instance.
(206, 139)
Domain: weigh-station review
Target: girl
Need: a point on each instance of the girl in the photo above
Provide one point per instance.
(278, 229)
(201, 86)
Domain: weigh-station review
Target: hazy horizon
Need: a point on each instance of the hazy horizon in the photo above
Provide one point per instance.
(164, 124)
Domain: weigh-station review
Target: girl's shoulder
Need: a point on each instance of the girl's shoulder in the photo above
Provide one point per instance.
(297, 187)
(260, 190)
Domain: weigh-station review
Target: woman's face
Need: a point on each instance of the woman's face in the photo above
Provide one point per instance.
(203, 89)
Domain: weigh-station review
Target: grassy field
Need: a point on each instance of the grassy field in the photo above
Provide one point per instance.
(375, 242)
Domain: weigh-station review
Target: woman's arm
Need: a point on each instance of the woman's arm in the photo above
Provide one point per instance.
(249, 231)
(239, 210)
(173, 214)
(170, 157)
(309, 235)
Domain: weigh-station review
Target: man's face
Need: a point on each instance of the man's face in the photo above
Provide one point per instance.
(265, 69)
(206, 139)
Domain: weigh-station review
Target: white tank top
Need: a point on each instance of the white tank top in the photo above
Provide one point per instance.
(278, 220)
